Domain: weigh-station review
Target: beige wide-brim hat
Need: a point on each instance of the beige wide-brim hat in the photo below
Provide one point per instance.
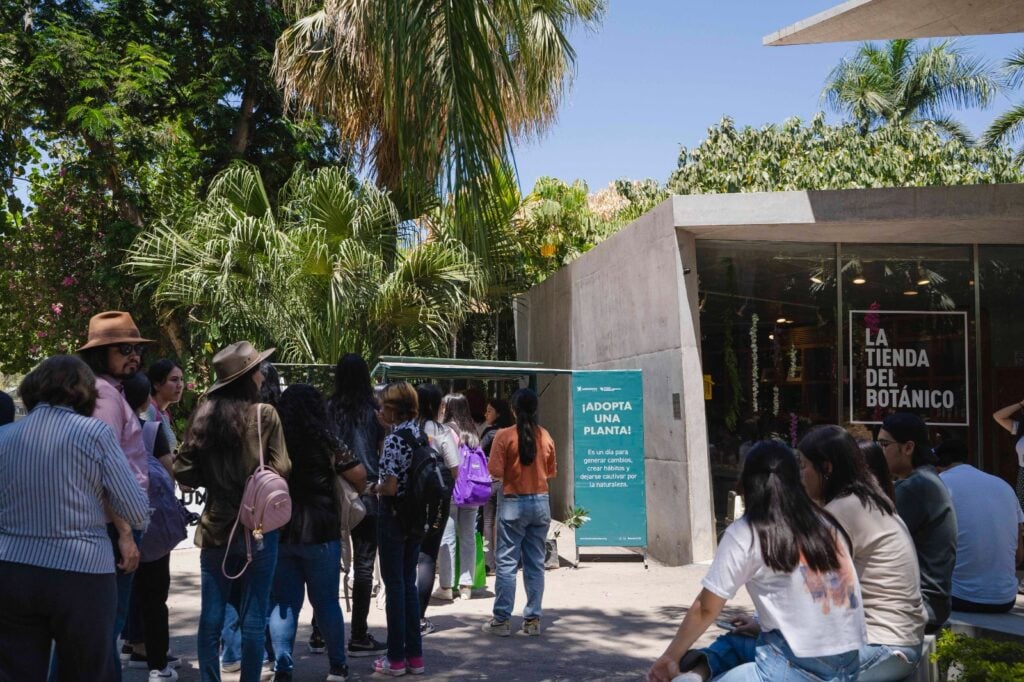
(112, 327)
(234, 361)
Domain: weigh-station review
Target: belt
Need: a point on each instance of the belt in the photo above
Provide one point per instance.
(509, 496)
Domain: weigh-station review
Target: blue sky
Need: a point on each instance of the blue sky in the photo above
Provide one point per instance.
(658, 73)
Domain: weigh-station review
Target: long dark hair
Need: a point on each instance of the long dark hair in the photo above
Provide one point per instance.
(352, 387)
(455, 412)
(874, 457)
(831, 444)
(218, 424)
(524, 403)
(787, 522)
(304, 422)
(504, 412)
(429, 396)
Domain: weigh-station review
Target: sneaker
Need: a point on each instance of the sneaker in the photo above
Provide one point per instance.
(317, 645)
(466, 592)
(232, 667)
(688, 677)
(367, 646)
(339, 673)
(498, 628)
(426, 627)
(126, 651)
(443, 594)
(415, 665)
(140, 661)
(531, 626)
(168, 674)
(386, 667)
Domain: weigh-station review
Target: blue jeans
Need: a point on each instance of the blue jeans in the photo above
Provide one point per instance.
(881, 662)
(729, 651)
(398, 556)
(774, 661)
(522, 529)
(253, 605)
(316, 568)
(230, 634)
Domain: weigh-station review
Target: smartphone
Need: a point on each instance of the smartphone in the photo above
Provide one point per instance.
(725, 624)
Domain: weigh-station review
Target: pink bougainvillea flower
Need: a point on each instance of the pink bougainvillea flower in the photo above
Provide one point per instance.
(56, 308)
(191, 385)
(41, 334)
(68, 281)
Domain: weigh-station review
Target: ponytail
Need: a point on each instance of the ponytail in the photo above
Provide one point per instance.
(524, 404)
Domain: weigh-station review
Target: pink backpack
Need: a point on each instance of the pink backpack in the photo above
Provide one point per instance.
(266, 504)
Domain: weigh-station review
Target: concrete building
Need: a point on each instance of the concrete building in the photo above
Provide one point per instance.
(780, 277)
(805, 281)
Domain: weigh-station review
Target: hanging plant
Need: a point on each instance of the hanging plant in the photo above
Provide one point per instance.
(794, 421)
(792, 363)
(732, 370)
(775, 400)
(754, 372)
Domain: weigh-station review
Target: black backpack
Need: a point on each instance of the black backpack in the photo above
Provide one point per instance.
(428, 489)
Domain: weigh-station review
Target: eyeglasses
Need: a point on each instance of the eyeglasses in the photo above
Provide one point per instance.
(883, 443)
(127, 349)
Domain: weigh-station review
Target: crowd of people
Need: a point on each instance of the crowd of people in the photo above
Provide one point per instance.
(90, 514)
(852, 553)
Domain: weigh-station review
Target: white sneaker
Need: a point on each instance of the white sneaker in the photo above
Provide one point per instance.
(443, 594)
(168, 674)
(231, 667)
(466, 592)
(688, 677)
(498, 628)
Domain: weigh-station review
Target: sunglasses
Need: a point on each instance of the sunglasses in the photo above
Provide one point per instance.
(127, 349)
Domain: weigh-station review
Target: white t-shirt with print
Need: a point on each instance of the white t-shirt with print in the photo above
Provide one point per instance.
(818, 614)
(444, 441)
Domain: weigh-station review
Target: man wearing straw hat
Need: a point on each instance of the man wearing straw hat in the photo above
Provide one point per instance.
(113, 350)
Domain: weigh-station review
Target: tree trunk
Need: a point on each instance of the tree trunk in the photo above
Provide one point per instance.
(126, 208)
(243, 125)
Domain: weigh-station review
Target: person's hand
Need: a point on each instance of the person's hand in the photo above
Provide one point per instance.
(129, 553)
(745, 625)
(663, 670)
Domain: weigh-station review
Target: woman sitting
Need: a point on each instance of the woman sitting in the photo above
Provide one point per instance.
(835, 474)
(794, 562)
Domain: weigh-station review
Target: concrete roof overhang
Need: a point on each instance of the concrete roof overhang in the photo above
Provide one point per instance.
(966, 214)
(888, 19)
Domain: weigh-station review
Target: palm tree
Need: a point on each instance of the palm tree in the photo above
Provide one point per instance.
(432, 93)
(1009, 126)
(899, 83)
(329, 269)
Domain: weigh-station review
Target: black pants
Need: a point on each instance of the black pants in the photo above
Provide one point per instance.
(41, 605)
(149, 594)
(426, 566)
(974, 607)
(364, 553)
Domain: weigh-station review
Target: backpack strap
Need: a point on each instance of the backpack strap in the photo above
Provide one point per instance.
(149, 432)
(238, 517)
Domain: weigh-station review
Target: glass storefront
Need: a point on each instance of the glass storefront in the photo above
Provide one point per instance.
(794, 335)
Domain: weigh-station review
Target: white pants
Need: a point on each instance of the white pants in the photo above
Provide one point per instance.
(461, 523)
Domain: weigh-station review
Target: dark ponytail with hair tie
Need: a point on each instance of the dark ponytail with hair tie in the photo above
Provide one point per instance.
(524, 404)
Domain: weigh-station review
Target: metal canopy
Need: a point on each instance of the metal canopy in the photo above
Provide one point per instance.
(887, 19)
(394, 367)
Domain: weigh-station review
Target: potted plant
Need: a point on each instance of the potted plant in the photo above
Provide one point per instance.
(575, 517)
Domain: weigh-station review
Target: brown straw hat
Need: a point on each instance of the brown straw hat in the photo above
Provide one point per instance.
(112, 327)
(234, 361)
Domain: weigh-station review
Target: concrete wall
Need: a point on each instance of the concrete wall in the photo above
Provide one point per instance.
(627, 304)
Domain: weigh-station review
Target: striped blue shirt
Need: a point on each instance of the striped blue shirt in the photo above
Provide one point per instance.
(56, 467)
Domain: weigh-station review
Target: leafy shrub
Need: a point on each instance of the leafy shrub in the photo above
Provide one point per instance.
(980, 660)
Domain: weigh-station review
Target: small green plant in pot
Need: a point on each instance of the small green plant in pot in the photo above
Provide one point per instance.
(575, 517)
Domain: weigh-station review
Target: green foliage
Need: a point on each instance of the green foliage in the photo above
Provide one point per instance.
(432, 93)
(1008, 128)
(327, 268)
(980, 660)
(903, 83)
(795, 156)
(114, 111)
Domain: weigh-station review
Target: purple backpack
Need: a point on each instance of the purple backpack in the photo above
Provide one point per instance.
(473, 486)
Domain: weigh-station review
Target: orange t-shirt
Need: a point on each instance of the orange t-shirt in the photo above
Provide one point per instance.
(518, 479)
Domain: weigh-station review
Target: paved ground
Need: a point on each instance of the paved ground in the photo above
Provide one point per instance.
(606, 620)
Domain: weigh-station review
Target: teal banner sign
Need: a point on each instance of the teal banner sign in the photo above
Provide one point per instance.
(608, 457)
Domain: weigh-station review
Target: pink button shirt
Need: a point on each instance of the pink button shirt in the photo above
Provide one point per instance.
(112, 409)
